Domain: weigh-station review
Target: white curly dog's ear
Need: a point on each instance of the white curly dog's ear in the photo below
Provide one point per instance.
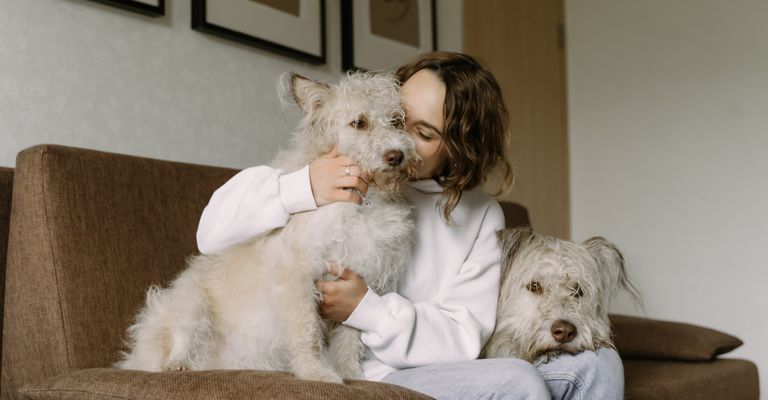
(308, 94)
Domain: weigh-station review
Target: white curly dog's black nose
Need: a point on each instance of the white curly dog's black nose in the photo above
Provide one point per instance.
(394, 157)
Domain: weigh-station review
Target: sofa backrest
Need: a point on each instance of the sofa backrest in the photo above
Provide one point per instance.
(6, 189)
(515, 215)
(90, 231)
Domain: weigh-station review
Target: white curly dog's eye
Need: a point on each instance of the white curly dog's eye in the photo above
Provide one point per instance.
(360, 123)
(535, 287)
(577, 291)
(398, 122)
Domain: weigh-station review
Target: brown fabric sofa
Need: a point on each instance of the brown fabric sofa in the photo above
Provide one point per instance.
(88, 233)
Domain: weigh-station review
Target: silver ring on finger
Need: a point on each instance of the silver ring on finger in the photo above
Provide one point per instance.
(347, 171)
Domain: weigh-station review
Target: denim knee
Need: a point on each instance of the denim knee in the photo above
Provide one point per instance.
(586, 375)
(523, 380)
(496, 379)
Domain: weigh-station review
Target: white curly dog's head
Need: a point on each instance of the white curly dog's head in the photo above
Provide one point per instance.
(362, 116)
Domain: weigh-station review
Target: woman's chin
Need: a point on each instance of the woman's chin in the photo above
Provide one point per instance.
(420, 176)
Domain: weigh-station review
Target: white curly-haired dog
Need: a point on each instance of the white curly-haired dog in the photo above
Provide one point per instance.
(254, 305)
(554, 295)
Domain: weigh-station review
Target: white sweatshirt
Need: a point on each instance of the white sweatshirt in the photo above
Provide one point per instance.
(445, 305)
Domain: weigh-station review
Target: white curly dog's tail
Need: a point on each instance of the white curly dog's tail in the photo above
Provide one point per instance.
(173, 332)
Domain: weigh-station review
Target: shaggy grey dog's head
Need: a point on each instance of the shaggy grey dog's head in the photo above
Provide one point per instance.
(362, 115)
(554, 295)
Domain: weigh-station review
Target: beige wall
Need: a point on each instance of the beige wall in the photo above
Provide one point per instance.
(669, 142)
(79, 73)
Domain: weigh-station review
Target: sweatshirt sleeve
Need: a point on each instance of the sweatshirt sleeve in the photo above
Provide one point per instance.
(453, 326)
(254, 201)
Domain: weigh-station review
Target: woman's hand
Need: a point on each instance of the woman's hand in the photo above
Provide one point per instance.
(341, 297)
(331, 174)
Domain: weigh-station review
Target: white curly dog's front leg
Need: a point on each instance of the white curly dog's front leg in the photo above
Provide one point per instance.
(303, 326)
(346, 350)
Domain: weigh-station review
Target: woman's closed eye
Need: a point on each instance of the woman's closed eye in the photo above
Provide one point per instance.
(425, 135)
(425, 131)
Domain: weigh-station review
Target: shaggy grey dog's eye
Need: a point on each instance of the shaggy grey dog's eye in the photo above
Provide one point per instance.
(535, 287)
(577, 292)
(398, 122)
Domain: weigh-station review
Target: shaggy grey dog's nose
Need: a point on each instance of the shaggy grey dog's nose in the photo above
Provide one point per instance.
(394, 157)
(563, 331)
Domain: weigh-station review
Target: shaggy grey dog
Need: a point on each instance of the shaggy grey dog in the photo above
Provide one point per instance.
(554, 295)
(254, 306)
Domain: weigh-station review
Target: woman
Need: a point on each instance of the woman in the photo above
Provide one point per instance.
(428, 335)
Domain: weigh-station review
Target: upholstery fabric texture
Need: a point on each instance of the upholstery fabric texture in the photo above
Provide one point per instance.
(103, 384)
(729, 379)
(6, 190)
(89, 233)
(515, 215)
(98, 229)
(644, 338)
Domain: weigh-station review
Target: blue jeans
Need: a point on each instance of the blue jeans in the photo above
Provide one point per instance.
(587, 375)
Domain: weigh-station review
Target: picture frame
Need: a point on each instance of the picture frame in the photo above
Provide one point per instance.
(293, 28)
(152, 8)
(383, 34)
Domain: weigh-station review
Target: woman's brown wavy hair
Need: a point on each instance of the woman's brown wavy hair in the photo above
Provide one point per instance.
(476, 123)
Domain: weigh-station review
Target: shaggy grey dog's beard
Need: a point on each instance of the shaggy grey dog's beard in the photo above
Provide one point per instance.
(554, 295)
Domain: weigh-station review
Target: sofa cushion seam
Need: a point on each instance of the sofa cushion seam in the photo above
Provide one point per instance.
(75, 391)
(43, 167)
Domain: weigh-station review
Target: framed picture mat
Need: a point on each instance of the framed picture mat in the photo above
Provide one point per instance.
(359, 38)
(269, 39)
(154, 8)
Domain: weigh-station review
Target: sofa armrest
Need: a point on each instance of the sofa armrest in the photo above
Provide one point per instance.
(110, 384)
(644, 338)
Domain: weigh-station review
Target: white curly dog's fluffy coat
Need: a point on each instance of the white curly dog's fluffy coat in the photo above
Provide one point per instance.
(554, 295)
(254, 306)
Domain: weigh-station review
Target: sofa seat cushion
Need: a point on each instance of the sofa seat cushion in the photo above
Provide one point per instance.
(719, 379)
(106, 383)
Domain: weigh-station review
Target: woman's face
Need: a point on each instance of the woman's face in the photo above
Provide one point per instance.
(423, 99)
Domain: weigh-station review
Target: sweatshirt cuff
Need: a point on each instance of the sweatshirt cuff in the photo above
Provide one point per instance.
(368, 313)
(296, 191)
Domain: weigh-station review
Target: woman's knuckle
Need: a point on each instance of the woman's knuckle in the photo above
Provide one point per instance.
(340, 195)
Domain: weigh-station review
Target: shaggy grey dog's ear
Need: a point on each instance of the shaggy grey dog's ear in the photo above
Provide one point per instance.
(510, 242)
(306, 93)
(612, 266)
